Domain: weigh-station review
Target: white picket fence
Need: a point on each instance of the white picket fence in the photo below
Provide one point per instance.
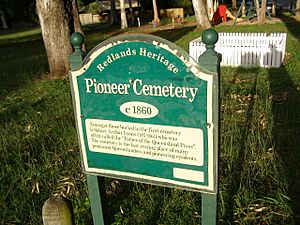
(246, 49)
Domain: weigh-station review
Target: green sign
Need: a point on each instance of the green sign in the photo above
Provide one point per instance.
(144, 113)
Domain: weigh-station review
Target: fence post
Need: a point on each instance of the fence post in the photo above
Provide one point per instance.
(210, 60)
(96, 194)
(75, 59)
(95, 183)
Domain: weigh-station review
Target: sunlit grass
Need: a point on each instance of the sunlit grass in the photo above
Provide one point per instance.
(20, 35)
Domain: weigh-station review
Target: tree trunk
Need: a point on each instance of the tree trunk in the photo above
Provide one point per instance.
(3, 20)
(113, 11)
(124, 23)
(298, 10)
(76, 21)
(210, 9)
(258, 11)
(156, 20)
(75, 17)
(244, 9)
(263, 11)
(234, 7)
(200, 13)
(139, 8)
(131, 12)
(273, 13)
(58, 20)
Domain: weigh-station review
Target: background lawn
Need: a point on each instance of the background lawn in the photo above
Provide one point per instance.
(260, 139)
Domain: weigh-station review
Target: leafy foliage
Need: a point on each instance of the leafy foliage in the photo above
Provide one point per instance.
(17, 10)
(84, 2)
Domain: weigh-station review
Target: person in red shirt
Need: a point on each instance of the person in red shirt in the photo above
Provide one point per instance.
(221, 15)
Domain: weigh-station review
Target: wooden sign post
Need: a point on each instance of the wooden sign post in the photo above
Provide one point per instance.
(146, 112)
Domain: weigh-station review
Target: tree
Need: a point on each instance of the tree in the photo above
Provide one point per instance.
(131, 12)
(210, 8)
(75, 18)
(273, 13)
(19, 10)
(261, 11)
(113, 13)
(81, 3)
(156, 20)
(58, 20)
(124, 23)
(298, 10)
(234, 6)
(201, 13)
(244, 8)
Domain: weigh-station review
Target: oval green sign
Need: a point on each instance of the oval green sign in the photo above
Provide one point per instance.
(144, 113)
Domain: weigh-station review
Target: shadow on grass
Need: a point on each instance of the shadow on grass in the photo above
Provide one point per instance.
(286, 111)
(238, 164)
(174, 34)
(19, 63)
(292, 25)
(286, 131)
(98, 33)
(24, 58)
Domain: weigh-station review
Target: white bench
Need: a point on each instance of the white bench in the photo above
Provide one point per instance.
(246, 49)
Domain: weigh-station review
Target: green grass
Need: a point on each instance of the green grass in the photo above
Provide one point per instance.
(20, 35)
(260, 139)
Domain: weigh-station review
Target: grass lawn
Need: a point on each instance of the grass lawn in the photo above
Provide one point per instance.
(260, 139)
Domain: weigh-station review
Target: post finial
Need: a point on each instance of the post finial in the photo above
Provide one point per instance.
(75, 59)
(210, 37)
(210, 59)
(76, 39)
